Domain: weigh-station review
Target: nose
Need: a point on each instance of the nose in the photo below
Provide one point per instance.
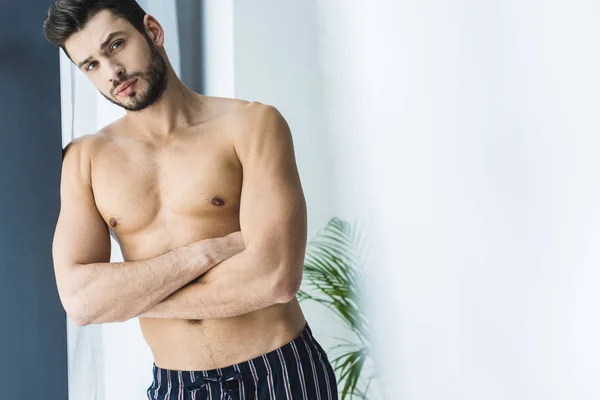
(116, 72)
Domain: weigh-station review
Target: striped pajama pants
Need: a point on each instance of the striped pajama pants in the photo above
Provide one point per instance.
(298, 370)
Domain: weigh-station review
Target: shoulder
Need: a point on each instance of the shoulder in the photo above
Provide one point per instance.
(257, 120)
(242, 111)
(262, 113)
(84, 146)
(76, 161)
(78, 147)
(79, 153)
(261, 131)
(213, 107)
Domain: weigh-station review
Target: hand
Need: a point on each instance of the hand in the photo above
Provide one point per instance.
(208, 253)
(230, 245)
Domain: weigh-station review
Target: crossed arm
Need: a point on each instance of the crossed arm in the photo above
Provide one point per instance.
(266, 272)
(273, 225)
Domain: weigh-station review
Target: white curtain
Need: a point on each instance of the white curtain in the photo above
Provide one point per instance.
(110, 361)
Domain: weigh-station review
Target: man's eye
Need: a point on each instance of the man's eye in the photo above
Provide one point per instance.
(91, 66)
(116, 45)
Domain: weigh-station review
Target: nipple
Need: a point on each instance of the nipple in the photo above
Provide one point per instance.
(217, 201)
(113, 222)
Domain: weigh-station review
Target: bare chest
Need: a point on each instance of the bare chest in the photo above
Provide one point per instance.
(141, 188)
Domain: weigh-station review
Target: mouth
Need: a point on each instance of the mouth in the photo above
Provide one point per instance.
(126, 88)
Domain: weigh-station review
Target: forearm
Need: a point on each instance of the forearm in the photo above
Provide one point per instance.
(241, 284)
(116, 292)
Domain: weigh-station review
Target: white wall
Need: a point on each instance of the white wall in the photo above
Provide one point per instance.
(217, 42)
(476, 123)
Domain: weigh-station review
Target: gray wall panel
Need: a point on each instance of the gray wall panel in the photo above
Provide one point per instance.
(33, 343)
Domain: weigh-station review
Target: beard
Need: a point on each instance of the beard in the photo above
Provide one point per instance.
(156, 77)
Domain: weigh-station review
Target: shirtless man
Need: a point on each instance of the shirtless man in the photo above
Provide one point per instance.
(204, 198)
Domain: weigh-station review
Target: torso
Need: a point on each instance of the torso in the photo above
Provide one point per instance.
(155, 198)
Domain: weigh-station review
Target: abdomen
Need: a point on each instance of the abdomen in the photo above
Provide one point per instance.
(216, 343)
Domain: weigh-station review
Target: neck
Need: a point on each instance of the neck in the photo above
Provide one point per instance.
(177, 108)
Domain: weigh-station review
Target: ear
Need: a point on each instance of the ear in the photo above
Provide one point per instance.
(154, 30)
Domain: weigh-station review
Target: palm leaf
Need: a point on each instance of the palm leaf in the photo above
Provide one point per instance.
(333, 273)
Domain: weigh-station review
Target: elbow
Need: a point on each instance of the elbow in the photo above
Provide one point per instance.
(83, 317)
(79, 311)
(287, 284)
(73, 302)
(282, 273)
(80, 322)
(76, 314)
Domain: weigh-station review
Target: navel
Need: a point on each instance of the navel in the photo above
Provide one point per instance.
(217, 201)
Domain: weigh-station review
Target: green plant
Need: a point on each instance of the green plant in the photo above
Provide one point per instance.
(333, 275)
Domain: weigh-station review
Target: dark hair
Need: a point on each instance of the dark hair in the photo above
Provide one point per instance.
(66, 17)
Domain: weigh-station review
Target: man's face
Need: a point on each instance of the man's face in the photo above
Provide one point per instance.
(125, 65)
